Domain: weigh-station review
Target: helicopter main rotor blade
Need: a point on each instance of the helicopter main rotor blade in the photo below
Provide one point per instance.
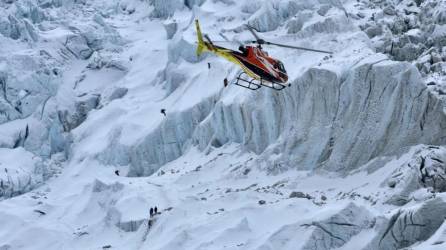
(229, 41)
(223, 41)
(261, 41)
(251, 29)
(208, 38)
(300, 48)
(224, 37)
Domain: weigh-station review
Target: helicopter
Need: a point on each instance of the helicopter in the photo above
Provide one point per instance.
(258, 68)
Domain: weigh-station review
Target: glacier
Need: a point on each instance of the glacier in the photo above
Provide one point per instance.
(351, 156)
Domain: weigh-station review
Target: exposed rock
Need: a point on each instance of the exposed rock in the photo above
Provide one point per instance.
(295, 194)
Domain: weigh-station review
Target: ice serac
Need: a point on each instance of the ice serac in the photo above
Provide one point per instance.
(166, 143)
(18, 177)
(383, 106)
(418, 178)
(167, 8)
(338, 229)
(322, 234)
(405, 228)
(325, 120)
(36, 49)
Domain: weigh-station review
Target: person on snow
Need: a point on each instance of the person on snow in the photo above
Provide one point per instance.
(156, 210)
(151, 212)
(163, 111)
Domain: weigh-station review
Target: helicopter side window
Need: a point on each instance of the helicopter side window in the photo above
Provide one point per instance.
(243, 50)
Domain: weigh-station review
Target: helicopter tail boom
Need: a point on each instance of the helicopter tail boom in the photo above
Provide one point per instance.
(228, 54)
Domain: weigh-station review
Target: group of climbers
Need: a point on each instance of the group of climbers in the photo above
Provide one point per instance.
(153, 212)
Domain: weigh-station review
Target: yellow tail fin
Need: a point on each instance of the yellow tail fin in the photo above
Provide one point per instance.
(201, 46)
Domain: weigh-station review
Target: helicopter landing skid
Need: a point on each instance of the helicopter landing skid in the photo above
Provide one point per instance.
(275, 86)
(243, 80)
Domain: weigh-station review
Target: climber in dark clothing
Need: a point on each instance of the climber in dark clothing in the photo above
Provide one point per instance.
(117, 172)
(225, 82)
(163, 111)
(156, 210)
(151, 212)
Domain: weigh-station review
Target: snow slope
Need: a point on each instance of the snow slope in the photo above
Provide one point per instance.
(351, 156)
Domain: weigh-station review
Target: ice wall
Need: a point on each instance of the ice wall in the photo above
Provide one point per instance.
(324, 120)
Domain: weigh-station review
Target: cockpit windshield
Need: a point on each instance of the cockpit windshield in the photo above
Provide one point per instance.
(281, 67)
